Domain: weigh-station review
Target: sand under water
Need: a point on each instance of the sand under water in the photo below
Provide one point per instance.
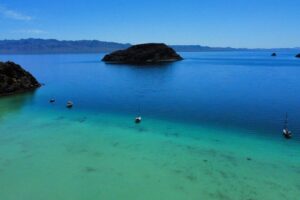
(68, 154)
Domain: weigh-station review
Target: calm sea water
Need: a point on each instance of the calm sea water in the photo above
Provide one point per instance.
(211, 129)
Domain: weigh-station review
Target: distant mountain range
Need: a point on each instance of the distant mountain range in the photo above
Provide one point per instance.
(52, 46)
(42, 46)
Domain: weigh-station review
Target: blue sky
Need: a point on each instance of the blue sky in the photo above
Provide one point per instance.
(235, 23)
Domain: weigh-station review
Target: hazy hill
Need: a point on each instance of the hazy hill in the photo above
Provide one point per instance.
(51, 46)
(55, 46)
(43, 46)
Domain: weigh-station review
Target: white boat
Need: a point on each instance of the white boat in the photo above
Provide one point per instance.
(286, 132)
(138, 119)
(69, 104)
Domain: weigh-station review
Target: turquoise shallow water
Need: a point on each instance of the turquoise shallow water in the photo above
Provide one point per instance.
(95, 151)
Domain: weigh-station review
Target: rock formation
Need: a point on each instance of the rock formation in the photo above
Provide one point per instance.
(14, 79)
(143, 54)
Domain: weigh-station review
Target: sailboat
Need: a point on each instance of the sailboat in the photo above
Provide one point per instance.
(138, 119)
(286, 133)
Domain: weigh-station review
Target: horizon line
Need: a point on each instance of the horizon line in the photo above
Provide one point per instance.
(129, 43)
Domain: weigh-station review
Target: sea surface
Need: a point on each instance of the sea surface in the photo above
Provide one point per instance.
(212, 129)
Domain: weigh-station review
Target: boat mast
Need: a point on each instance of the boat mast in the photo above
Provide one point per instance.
(286, 121)
(139, 107)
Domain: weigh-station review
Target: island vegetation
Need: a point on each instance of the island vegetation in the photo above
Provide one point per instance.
(143, 54)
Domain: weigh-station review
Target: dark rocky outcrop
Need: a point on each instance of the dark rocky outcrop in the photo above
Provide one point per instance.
(273, 54)
(14, 79)
(143, 54)
(298, 55)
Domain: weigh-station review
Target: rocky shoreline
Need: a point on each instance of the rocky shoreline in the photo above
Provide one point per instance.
(14, 79)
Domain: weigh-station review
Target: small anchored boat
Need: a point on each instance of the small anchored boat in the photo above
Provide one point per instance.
(286, 132)
(69, 104)
(138, 120)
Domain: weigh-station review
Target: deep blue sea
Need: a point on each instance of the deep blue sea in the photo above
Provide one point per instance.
(249, 90)
(212, 129)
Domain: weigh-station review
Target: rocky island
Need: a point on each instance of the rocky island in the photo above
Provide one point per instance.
(143, 54)
(298, 55)
(14, 79)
